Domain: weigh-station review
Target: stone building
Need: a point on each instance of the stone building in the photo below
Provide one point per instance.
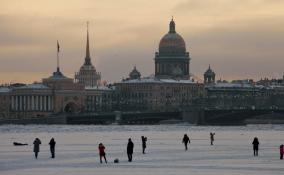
(87, 74)
(152, 94)
(56, 94)
(172, 60)
(170, 89)
(4, 102)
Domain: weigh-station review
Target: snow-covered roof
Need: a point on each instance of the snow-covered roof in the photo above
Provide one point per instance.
(232, 85)
(99, 88)
(4, 90)
(33, 86)
(155, 80)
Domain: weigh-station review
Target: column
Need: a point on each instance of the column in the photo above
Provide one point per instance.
(36, 103)
(40, 103)
(29, 103)
(20, 103)
(17, 103)
(44, 103)
(32, 103)
(48, 103)
(12, 102)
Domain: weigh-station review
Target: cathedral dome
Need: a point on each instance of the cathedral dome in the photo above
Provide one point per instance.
(209, 72)
(172, 42)
(134, 74)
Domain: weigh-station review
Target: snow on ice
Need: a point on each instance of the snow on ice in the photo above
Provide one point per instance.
(77, 152)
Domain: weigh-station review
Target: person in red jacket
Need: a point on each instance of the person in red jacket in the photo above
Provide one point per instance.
(102, 152)
(281, 151)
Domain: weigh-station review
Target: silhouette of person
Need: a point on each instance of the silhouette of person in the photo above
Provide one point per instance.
(212, 137)
(185, 140)
(130, 147)
(102, 152)
(144, 140)
(52, 147)
(36, 143)
(255, 144)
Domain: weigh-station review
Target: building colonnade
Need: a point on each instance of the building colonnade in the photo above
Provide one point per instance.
(32, 103)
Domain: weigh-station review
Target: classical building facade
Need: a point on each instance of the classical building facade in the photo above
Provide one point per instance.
(55, 95)
(172, 60)
(87, 74)
(153, 94)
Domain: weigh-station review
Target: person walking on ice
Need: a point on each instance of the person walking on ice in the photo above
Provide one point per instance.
(37, 142)
(255, 144)
(52, 147)
(281, 151)
(102, 152)
(185, 141)
(144, 140)
(130, 147)
(212, 137)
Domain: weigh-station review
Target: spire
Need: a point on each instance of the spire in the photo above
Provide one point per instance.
(172, 26)
(87, 58)
(58, 50)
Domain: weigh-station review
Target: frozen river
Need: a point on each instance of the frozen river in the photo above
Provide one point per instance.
(76, 150)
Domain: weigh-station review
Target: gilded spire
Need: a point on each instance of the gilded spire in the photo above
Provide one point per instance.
(87, 58)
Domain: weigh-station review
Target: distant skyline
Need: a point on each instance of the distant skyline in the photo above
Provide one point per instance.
(240, 39)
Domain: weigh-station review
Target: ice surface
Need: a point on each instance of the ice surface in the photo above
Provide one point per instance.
(76, 150)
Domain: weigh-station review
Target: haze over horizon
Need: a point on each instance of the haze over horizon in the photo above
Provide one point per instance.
(240, 39)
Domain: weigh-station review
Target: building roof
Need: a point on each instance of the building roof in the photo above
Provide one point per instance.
(105, 88)
(33, 86)
(172, 42)
(156, 80)
(4, 89)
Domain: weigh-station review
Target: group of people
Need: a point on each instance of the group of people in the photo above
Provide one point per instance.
(37, 144)
(255, 143)
(130, 147)
(186, 140)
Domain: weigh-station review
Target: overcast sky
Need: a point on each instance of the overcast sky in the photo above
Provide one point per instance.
(238, 38)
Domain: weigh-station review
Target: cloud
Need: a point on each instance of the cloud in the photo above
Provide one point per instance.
(237, 37)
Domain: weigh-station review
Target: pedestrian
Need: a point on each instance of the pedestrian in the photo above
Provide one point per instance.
(212, 137)
(130, 147)
(52, 147)
(185, 140)
(144, 140)
(102, 152)
(37, 142)
(281, 151)
(255, 144)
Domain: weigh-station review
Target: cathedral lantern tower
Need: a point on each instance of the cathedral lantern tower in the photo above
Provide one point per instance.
(209, 76)
(88, 75)
(172, 60)
(134, 74)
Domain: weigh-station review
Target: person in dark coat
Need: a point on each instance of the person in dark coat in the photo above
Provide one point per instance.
(37, 142)
(130, 147)
(185, 141)
(281, 151)
(52, 147)
(255, 144)
(212, 137)
(144, 140)
(102, 152)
